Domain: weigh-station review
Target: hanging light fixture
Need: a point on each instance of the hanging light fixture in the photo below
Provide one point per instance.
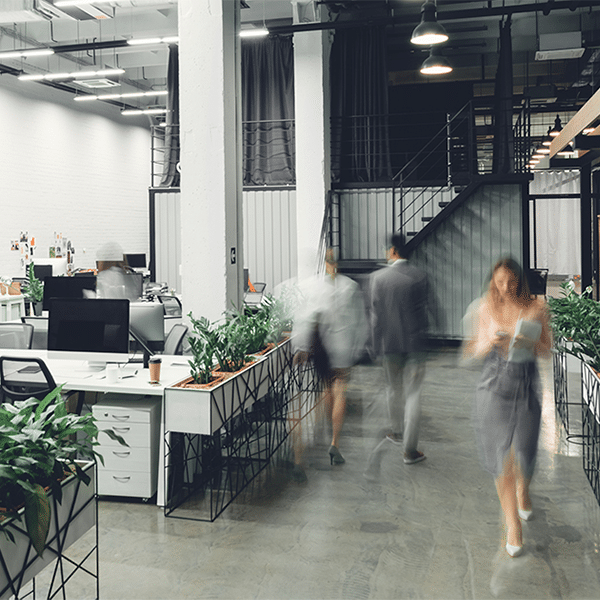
(435, 63)
(567, 150)
(428, 32)
(555, 131)
(548, 139)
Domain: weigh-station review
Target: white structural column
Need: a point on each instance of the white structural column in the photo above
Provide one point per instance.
(210, 125)
(311, 84)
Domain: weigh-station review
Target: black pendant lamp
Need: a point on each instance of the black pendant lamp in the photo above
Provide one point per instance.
(435, 63)
(428, 32)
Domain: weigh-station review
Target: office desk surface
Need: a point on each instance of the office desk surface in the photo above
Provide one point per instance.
(76, 375)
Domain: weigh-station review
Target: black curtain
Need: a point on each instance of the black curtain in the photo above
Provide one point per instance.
(268, 111)
(171, 177)
(503, 156)
(359, 106)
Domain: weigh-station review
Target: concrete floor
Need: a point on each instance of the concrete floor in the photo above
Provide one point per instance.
(430, 530)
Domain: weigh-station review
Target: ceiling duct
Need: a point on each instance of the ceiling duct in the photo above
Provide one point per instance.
(560, 46)
(21, 11)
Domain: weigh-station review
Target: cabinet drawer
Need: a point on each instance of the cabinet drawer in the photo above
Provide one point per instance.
(119, 458)
(120, 414)
(125, 483)
(135, 434)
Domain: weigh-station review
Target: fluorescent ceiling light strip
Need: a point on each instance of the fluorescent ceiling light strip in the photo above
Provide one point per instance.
(25, 53)
(250, 33)
(157, 40)
(116, 96)
(145, 111)
(74, 75)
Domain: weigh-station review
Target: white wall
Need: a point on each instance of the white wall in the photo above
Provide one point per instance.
(84, 172)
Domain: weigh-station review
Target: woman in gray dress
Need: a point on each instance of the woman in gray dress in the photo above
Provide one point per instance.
(510, 329)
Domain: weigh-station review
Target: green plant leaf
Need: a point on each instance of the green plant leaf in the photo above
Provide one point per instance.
(37, 518)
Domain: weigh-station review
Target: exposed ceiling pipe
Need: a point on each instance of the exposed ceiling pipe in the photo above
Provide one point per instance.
(442, 15)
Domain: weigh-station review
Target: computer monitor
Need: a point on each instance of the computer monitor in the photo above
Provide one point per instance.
(66, 287)
(147, 324)
(42, 271)
(136, 261)
(59, 266)
(89, 329)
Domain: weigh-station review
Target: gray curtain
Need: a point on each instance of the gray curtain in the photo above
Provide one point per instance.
(503, 155)
(268, 111)
(359, 106)
(171, 177)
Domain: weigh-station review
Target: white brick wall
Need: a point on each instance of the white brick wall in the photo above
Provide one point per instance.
(84, 172)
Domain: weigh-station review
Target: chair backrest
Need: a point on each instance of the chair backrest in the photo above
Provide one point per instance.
(22, 378)
(40, 331)
(174, 341)
(16, 335)
(172, 305)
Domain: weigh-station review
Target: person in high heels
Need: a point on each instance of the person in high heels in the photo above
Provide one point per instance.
(509, 331)
(331, 328)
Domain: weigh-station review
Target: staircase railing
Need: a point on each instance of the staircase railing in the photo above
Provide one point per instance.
(447, 164)
(429, 178)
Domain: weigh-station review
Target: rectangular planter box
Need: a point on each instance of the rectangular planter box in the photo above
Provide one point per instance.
(204, 411)
(19, 562)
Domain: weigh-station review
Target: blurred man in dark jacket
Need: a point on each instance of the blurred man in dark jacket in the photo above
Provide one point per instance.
(399, 299)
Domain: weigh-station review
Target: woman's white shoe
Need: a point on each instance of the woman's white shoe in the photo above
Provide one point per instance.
(525, 514)
(513, 551)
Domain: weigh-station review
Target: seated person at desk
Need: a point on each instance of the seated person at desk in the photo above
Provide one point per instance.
(113, 281)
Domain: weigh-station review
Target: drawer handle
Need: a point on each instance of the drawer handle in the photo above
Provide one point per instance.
(121, 417)
(122, 429)
(121, 479)
(121, 454)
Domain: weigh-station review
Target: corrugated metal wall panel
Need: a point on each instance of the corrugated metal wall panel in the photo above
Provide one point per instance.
(365, 222)
(270, 242)
(458, 256)
(168, 236)
(269, 236)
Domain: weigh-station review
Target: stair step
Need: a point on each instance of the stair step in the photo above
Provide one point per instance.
(426, 219)
(443, 204)
(412, 232)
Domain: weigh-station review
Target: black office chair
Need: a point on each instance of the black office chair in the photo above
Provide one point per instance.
(175, 339)
(171, 305)
(23, 378)
(16, 336)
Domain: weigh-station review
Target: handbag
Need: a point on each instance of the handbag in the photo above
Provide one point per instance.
(318, 354)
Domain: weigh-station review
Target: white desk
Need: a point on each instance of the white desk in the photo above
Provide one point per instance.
(12, 308)
(75, 376)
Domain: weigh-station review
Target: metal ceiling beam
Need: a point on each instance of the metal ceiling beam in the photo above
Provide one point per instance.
(442, 15)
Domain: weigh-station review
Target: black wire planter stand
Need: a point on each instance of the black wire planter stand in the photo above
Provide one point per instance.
(219, 441)
(561, 398)
(71, 519)
(590, 393)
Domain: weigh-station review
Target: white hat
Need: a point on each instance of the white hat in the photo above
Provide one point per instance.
(111, 251)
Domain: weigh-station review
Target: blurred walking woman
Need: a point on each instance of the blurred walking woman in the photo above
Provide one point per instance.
(509, 330)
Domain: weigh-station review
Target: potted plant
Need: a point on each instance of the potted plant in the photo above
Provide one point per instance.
(46, 456)
(33, 290)
(576, 323)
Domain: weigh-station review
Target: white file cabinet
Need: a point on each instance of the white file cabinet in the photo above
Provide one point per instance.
(128, 470)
